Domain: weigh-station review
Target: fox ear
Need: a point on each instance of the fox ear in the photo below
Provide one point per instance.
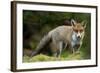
(84, 23)
(73, 22)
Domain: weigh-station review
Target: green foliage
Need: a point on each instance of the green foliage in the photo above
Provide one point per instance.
(26, 59)
(41, 58)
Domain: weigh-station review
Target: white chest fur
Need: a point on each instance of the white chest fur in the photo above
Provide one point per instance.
(75, 40)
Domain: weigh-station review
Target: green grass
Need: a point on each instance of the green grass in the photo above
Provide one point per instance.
(64, 57)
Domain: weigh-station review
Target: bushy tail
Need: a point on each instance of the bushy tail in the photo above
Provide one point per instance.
(45, 40)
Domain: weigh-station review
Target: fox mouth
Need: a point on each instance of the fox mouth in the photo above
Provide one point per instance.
(78, 38)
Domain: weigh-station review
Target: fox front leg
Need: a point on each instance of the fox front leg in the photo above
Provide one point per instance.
(73, 51)
(78, 50)
(71, 48)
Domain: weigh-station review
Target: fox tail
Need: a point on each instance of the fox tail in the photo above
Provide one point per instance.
(45, 40)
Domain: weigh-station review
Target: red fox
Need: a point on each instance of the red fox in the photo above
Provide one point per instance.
(62, 37)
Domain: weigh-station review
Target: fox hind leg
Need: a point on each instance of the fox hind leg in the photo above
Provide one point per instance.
(59, 48)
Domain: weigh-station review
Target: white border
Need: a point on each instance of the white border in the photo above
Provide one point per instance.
(21, 65)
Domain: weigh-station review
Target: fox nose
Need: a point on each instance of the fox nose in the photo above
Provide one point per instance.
(78, 37)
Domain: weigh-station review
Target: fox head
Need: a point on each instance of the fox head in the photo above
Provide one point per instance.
(78, 29)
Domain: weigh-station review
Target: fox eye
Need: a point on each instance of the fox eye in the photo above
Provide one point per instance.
(76, 31)
(81, 30)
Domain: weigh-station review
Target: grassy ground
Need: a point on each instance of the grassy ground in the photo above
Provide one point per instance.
(65, 56)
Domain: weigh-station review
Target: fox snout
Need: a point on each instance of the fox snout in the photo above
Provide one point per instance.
(79, 35)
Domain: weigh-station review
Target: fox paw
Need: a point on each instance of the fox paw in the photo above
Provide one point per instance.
(77, 52)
